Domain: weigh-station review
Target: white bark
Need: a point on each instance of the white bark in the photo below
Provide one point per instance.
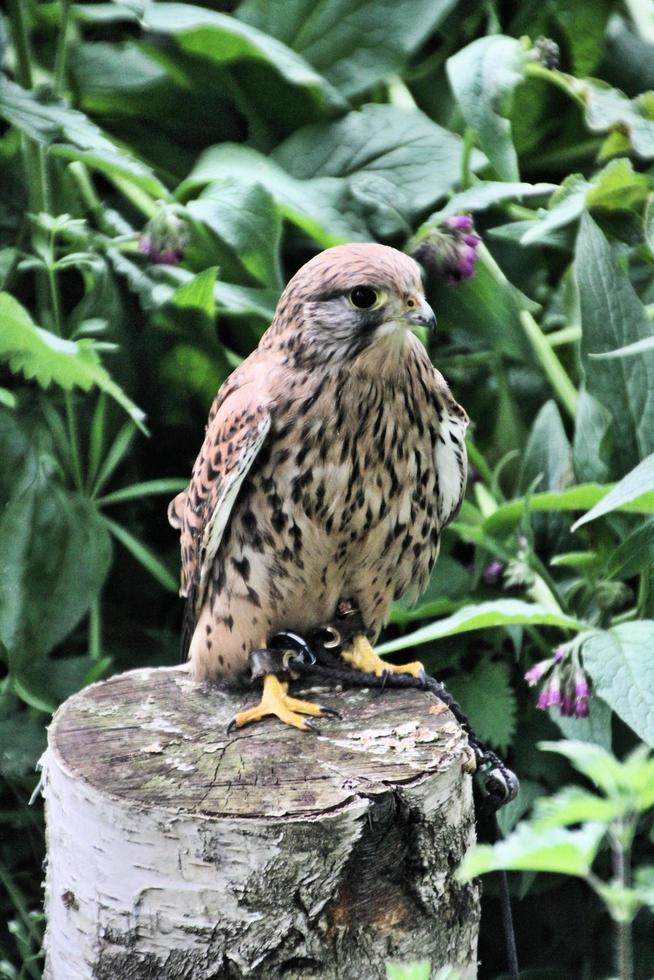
(176, 851)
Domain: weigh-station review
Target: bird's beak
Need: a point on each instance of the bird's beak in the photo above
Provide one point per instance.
(422, 315)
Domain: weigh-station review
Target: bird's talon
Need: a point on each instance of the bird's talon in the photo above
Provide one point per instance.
(275, 700)
(311, 726)
(330, 711)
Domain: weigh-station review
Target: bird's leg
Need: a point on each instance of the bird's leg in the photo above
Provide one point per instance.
(275, 700)
(362, 657)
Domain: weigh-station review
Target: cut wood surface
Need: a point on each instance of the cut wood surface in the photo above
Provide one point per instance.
(178, 851)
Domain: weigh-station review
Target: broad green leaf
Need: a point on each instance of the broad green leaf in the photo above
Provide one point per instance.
(608, 108)
(621, 665)
(56, 555)
(198, 293)
(575, 498)
(76, 136)
(634, 554)
(487, 699)
(227, 40)
(486, 193)
(322, 207)
(530, 848)
(566, 205)
(503, 612)
(143, 555)
(483, 76)
(245, 219)
(354, 46)
(596, 728)
(593, 439)
(42, 355)
(548, 453)
(592, 760)
(379, 149)
(636, 485)
(22, 742)
(573, 804)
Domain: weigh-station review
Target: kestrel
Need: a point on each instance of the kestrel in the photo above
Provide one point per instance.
(332, 459)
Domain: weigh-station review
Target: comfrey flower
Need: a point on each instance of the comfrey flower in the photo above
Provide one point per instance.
(448, 248)
(565, 682)
(164, 237)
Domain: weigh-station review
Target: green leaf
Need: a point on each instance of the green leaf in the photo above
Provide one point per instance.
(486, 193)
(77, 138)
(637, 485)
(198, 293)
(143, 555)
(22, 742)
(7, 398)
(621, 665)
(354, 46)
(634, 554)
(530, 848)
(502, 612)
(591, 760)
(643, 346)
(548, 453)
(575, 805)
(56, 555)
(608, 108)
(644, 885)
(45, 357)
(145, 489)
(483, 77)
(418, 970)
(226, 40)
(575, 498)
(245, 219)
(593, 439)
(322, 207)
(595, 728)
(487, 699)
(379, 149)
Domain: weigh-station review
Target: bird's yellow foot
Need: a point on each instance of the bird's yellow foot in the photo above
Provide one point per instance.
(275, 700)
(362, 657)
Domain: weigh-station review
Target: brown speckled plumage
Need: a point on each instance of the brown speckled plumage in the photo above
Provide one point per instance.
(332, 459)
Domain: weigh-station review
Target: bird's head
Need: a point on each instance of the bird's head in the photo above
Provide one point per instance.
(349, 299)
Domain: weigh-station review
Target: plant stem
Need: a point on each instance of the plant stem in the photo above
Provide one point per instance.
(561, 383)
(21, 44)
(566, 335)
(621, 861)
(62, 49)
(95, 630)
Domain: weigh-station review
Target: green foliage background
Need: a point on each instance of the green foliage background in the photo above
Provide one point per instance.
(271, 130)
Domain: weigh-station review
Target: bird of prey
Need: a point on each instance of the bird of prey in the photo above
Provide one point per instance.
(333, 457)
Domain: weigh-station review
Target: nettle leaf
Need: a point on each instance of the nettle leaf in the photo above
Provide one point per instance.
(636, 484)
(502, 612)
(246, 220)
(323, 208)
(483, 77)
(612, 316)
(488, 700)
(532, 848)
(42, 355)
(226, 40)
(77, 138)
(353, 46)
(412, 155)
(621, 666)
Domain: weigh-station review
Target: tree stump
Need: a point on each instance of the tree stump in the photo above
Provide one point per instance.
(178, 851)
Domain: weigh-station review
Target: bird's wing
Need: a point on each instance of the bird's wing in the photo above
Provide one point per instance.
(233, 439)
(451, 462)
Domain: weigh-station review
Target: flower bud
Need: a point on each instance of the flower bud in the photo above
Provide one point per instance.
(164, 237)
(448, 248)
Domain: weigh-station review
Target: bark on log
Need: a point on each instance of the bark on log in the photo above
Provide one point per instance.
(177, 851)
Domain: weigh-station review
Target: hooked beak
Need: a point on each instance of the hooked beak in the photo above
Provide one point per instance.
(422, 315)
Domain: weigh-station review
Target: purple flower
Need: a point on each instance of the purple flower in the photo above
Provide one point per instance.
(566, 682)
(492, 572)
(164, 237)
(459, 222)
(448, 249)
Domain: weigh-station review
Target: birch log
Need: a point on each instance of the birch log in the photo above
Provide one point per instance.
(177, 852)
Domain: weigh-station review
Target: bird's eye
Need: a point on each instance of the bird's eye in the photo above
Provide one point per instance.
(363, 297)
